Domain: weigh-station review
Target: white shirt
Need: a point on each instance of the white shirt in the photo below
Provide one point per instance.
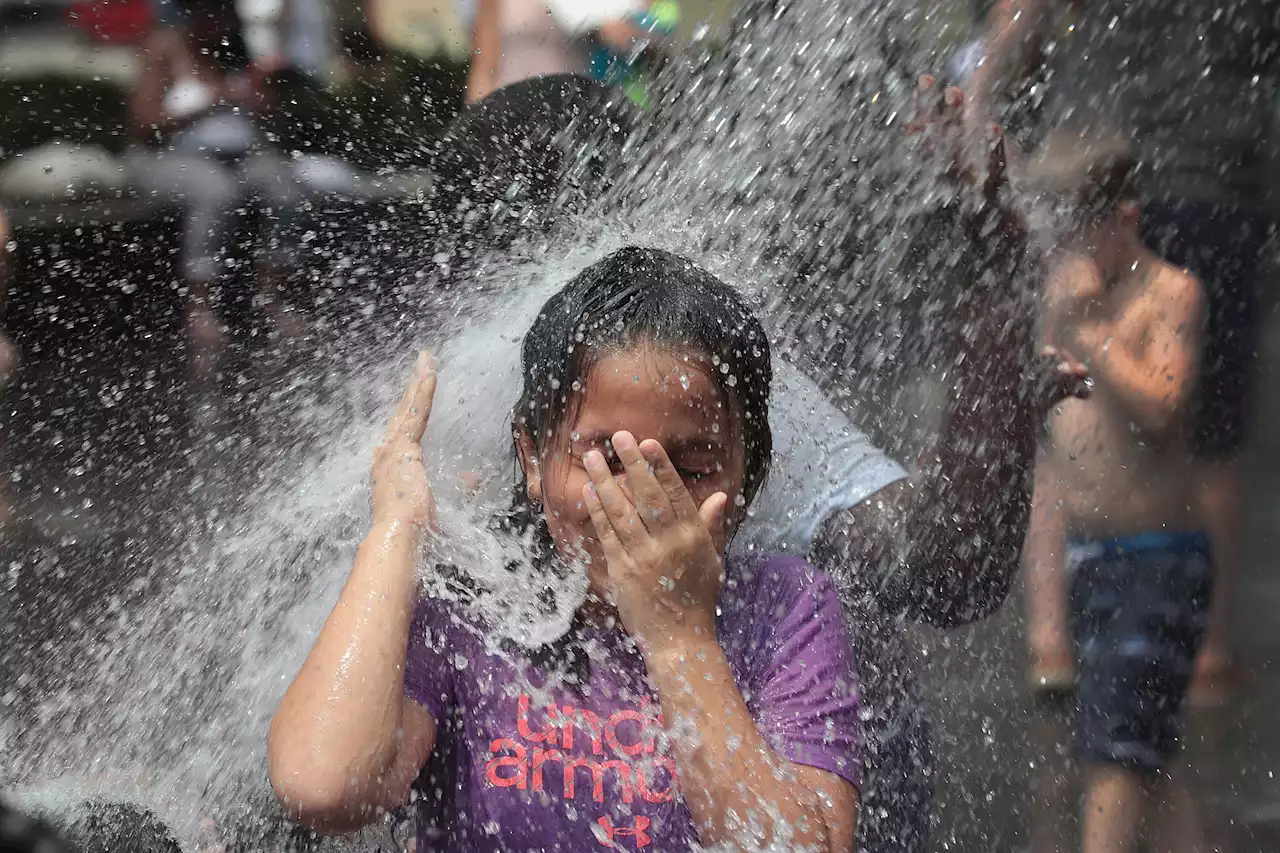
(821, 462)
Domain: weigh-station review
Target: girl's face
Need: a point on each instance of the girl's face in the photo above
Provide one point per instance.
(670, 397)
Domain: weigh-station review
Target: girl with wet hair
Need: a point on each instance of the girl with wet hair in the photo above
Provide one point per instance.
(718, 704)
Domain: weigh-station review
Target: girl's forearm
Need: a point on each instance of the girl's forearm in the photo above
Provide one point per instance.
(729, 777)
(339, 742)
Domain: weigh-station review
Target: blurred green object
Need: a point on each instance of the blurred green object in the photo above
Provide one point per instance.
(666, 14)
(630, 73)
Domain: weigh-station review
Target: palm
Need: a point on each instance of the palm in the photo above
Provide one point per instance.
(401, 492)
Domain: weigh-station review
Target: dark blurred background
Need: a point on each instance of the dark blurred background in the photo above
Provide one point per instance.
(98, 438)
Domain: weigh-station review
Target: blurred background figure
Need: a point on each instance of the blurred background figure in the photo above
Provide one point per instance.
(1137, 566)
(1195, 92)
(193, 110)
(514, 40)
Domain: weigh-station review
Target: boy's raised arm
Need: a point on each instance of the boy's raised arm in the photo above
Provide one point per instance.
(1015, 29)
(944, 546)
(1072, 285)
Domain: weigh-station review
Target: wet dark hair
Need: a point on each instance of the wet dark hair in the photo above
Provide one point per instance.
(115, 827)
(514, 160)
(635, 297)
(1089, 171)
(640, 297)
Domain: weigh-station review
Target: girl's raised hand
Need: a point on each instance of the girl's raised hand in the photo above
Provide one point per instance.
(401, 494)
(664, 552)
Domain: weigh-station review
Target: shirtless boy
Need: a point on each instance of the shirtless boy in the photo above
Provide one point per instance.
(1118, 468)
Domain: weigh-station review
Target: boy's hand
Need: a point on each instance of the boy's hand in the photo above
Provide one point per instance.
(967, 157)
(400, 489)
(1060, 377)
(664, 552)
(972, 167)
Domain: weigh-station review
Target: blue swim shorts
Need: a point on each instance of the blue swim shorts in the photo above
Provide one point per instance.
(1138, 611)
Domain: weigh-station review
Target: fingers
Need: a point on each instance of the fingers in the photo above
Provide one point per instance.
(712, 513)
(414, 410)
(1074, 380)
(947, 108)
(931, 104)
(605, 533)
(471, 481)
(1067, 378)
(921, 115)
(669, 479)
(952, 108)
(617, 508)
(651, 498)
(941, 115)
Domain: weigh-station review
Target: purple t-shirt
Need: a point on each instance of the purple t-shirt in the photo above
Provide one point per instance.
(527, 763)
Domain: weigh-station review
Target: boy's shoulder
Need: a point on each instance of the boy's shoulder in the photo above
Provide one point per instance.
(1069, 269)
(1173, 283)
(1165, 294)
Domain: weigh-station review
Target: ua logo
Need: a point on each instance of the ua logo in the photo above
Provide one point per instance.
(609, 834)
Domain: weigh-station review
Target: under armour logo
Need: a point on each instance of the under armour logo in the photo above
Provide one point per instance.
(610, 834)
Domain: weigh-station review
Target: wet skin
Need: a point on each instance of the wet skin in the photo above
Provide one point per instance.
(667, 397)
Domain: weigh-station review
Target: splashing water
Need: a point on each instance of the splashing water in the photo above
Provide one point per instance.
(169, 705)
(775, 169)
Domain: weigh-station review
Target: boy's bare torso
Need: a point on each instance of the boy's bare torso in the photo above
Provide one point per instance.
(1114, 476)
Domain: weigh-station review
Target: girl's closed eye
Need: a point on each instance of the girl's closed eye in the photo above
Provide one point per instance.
(695, 470)
(580, 451)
